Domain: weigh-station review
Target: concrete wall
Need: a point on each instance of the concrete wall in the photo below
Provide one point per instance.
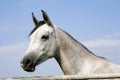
(68, 77)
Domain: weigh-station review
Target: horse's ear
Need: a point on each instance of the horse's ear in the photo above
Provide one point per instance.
(46, 18)
(36, 22)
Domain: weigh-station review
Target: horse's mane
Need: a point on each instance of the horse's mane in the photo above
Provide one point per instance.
(81, 44)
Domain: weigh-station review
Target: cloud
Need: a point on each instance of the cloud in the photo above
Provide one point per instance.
(10, 57)
(103, 43)
(108, 43)
(114, 35)
(12, 48)
(107, 46)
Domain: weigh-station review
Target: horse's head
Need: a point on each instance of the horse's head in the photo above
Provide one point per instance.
(42, 43)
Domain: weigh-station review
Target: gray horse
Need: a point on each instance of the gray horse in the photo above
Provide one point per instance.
(48, 41)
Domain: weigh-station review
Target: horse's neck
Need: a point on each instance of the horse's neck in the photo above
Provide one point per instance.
(72, 54)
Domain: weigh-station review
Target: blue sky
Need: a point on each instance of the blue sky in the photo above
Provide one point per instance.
(95, 23)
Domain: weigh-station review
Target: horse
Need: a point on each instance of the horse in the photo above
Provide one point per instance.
(48, 41)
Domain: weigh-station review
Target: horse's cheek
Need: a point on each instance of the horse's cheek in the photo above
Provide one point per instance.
(52, 49)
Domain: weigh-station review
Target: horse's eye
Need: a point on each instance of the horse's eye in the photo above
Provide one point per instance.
(45, 37)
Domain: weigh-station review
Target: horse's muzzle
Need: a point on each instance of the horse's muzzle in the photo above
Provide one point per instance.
(32, 69)
(27, 65)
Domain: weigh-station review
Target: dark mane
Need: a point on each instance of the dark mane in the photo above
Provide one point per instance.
(82, 45)
(39, 24)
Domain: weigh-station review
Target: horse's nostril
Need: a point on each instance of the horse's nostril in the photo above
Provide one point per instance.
(28, 62)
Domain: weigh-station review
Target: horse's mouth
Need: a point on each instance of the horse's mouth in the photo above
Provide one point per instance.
(28, 69)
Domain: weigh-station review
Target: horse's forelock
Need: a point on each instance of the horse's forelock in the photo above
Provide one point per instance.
(39, 24)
